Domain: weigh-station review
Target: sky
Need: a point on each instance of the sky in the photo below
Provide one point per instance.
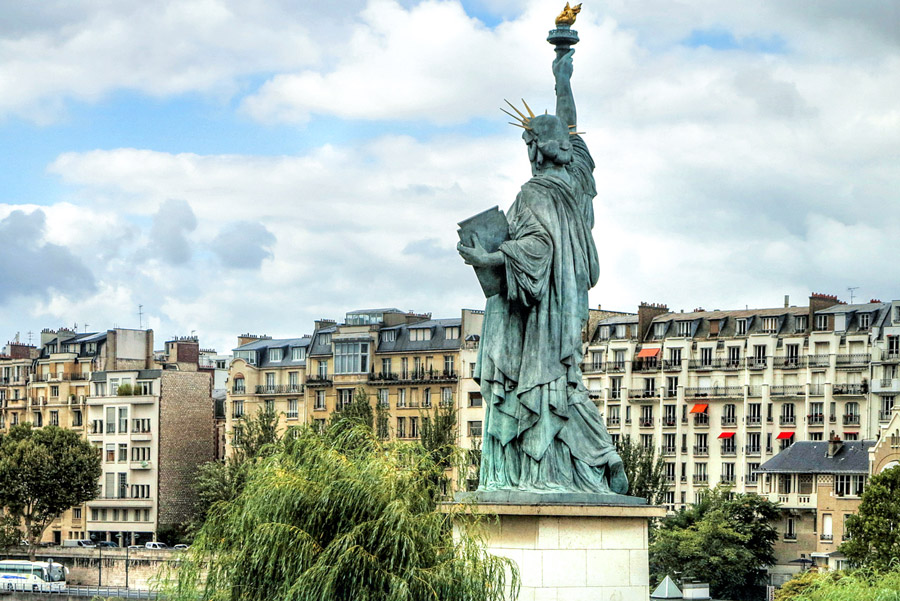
(218, 167)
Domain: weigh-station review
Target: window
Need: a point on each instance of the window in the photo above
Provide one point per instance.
(345, 397)
(110, 453)
(123, 420)
(322, 369)
(769, 325)
(54, 391)
(140, 453)
(54, 418)
(123, 452)
(269, 405)
(821, 323)
(110, 420)
(753, 441)
(320, 400)
(401, 427)
(325, 338)
(294, 381)
(675, 357)
(383, 398)
(472, 370)
(275, 355)
(298, 353)
(740, 327)
(292, 411)
(615, 387)
(351, 357)
(734, 356)
(672, 386)
(386, 367)
(237, 409)
(451, 333)
(449, 367)
(404, 368)
(864, 319)
(647, 441)
(401, 397)
(446, 396)
(388, 335)
(727, 472)
(684, 328)
(144, 388)
(270, 382)
(659, 330)
(426, 397)
(474, 428)
(805, 484)
(76, 513)
(37, 419)
(785, 482)
(419, 334)
(620, 331)
(790, 529)
(475, 399)
(801, 323)
(239, 385)
(77, 418)
(413, 427)
(706, 356)
(604, 332)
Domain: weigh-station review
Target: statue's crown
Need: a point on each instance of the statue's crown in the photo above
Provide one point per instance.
(525, 122)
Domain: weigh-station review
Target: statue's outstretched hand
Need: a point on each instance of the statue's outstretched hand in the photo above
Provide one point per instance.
(562, 66)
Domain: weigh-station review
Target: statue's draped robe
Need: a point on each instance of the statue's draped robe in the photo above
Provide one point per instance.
(541, 431)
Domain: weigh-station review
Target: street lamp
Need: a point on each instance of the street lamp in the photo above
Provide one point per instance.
(99, 561)
(121, 537)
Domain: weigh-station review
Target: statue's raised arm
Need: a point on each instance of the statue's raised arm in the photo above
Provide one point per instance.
(565, 101)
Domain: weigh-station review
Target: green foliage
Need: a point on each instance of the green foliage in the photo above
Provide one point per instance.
(357, 412)
(10, 530)
(875, 529)
(338, 516)
(857, 585)
(255, 435)
(645, 469)
(44, 472)
(382, 421)
(124, 390)
(726, 539)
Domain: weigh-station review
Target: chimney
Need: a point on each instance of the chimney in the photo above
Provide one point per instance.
(819, 302)
(248, 338)
(646, 313)
(324, 323)
(834, 446)
(787, 301)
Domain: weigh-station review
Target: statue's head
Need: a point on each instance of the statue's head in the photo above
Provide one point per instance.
(546, 136)
(548, 141)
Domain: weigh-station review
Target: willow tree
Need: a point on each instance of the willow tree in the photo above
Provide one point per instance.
(339, 516)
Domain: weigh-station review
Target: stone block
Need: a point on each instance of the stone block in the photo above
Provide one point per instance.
(640, 567)
(609, 568)
(548, 533)
(564, 568)
(547, 594)
(580, 533)
(519, 532)
(531, 570)
(624, 534)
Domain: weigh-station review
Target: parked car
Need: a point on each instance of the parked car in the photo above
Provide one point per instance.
(79, 542)
(136, 547)
(153, 545)
(107, 543)
(180, 547)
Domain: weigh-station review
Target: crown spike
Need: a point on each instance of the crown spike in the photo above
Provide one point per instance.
(523, 117)
(528, 108)
(513, 116)
(520, 125)
(577, 133)
(572, 126)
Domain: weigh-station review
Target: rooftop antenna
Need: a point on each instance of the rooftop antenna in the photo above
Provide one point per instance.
(85, 326)
(140, 317)
(30, 334)
(850, 289)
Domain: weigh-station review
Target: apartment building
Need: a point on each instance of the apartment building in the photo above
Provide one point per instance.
(406, 362)
(718, 393)
(150, 415)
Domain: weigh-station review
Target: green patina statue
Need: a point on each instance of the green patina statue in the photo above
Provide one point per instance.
(542, 432)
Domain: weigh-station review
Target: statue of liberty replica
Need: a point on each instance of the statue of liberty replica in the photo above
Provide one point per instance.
(542, 433)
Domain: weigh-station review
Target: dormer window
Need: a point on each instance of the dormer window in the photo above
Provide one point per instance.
(800, 323)
(324, 338)
(297, 353)
(659, 330)
(620, 331)
(389, 335)
(821, 323)
(740, 327)
(770, 325)
(419, 334)
(451, 333)
(604, 332)
(864, 320)
(684, 328)
(275, 355)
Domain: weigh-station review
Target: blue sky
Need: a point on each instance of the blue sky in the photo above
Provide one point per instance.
(243, 167)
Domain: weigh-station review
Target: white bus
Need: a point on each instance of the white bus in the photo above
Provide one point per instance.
(21, 575)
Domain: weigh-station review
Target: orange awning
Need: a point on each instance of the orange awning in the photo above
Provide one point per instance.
(784, 435)
(647, 353)
(699, 408)
(726, 435)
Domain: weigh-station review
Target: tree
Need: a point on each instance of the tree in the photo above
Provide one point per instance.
(857, 585)
(10, 530)
(726, 539)
(44, 472)
(437, 434)
(357, 412)
(338, 516)
(875, 529)
(255, 435)
(646, 471)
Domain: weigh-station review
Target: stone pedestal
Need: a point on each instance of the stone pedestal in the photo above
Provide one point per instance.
(572, 552)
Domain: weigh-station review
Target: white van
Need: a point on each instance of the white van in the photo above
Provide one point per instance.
(157, 546)
(79, 542)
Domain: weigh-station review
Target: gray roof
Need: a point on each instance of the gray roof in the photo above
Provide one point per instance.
(863, 308)
(810, 457)
(367, 311)
(273, 343)
(438, 341)
(615, 320)
(317, 347)
(90, 337)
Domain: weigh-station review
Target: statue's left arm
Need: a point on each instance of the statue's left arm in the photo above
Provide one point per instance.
(565, 101)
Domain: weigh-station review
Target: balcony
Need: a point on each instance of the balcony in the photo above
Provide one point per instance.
(701, 451)
(787, 420)
(752, 450)
(754, 420)
(140, 465)
(669, 422)
(789, 362)
(670, 393)
(815, 419)
(826, 538)
(615, 367)
(729, 420)
(891, 355)
(851, 419)
(849, 389)
(280, 389)
(124, 501)
(816, 390)
(729, 450)
(788, 390)
(854, 360)
(757, 362)
(239, 389)
(886, 386)
(317, 380)
(793, 500)
(651, 365)
(613, 421)
(701, 392)
(645, 422)
(706, 364)
(642, 394)
(591, 368)
(701, 420)
(885, 416)
(701, 478)
(670, 365)
(733, 364)
(727, 479)
(668, 451)
(819, 360)
(790, 536)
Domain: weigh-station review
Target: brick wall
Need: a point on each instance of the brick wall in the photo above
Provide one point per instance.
(186, 439)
